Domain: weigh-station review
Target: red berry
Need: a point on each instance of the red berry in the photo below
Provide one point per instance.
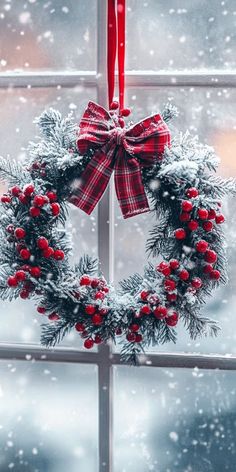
(210, 256)
(207, 225)
(88, 343)
(28, 190)
(211, 214)
(160, 312)
(164, 268)
(174, 264)
(105, 289)
(58, 255)
(38, 201)
(90, 309)
(184, 216)
(98, 339)
(131, 337)
(95, 282)
(202, 246)
(79, 327)
(215, 274)
(55, 207)
(97, 320)
(15, 191)
(99, 295)
(48, 252)
(10, 229)
(42, 243)
(138, 338)
(202, 214)
(145, 310)
(114, 105)
(12, 281)
(125, 112)
(20, 275)
(20, 233)
(192, 192)
(220, 219)
(134, 328)
(103, 311)
(41, 310)
(23, 199)
(183, 274)
(52, 196)
(180, 233)
(35, 272)
(186, 205)
(207, 269)
(25, 254)
(144, 294)
(171, 297)
(24, 294)
(169, 285)
(118, 331)
(36, 165)
(34, 212)
(172, 320)
(5, 199)
(85, 280)
(53, 316)
(196, 282)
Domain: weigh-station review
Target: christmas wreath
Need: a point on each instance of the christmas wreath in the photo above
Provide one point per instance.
(72, 163)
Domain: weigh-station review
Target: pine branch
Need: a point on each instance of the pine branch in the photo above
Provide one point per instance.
(132, 284)
(53, 334)
(86, 265)
(13, 172)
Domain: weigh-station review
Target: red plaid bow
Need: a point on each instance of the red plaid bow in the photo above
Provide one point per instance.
(123, 150)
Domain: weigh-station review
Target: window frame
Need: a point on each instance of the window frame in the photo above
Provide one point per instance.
(104, 358)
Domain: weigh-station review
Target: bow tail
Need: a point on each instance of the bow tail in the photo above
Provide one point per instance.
(129, 186)
(89, 188)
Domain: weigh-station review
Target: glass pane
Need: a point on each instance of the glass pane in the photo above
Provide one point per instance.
(18, 108)
(56, 34)
(210, 113)
(181, 34)
(171, 421)
(43, 407)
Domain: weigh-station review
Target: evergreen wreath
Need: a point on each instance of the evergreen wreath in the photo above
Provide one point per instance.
(35, 248)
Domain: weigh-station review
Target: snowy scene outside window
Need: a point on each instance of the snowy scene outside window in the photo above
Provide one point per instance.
(165, 419)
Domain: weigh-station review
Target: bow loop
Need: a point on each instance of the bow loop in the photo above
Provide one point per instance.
(119, 149)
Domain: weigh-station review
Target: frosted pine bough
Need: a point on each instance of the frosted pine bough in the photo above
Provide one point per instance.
(34, 249)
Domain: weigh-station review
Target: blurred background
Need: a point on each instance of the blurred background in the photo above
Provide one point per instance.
(164, 420)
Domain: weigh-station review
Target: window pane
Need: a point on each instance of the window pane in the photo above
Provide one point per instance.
(43, 407)
(210, 113)
(18, 108)
(181, 34)
(55, 35)
(170, 420)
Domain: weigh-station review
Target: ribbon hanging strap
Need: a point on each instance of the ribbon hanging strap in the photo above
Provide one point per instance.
(124, 151)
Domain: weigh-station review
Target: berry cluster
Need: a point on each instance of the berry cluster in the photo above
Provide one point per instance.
(36, 203)
(204, 220)
(92, 293)
(27, 247)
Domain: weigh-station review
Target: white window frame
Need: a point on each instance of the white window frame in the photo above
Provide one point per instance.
(105, 359)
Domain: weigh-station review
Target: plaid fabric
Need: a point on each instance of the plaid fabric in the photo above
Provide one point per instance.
(124, 151)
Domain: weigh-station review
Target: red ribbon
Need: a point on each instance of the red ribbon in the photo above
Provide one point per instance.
(123, 150)
(116, 41)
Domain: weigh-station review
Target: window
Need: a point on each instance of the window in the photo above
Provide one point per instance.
(67, 408)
